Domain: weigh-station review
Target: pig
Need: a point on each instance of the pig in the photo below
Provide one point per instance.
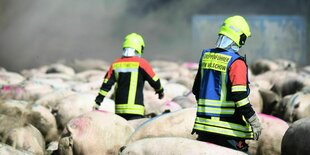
(135, 123)
(164, 65)
(37, 89)
(285, 64)
(26, 138)
(10, 78)
(47, 123)
(263, 65)
(271, 137)
(175, 145)
(270, 100)
(94, 133)
(185, 101)
(9, 150)
(288, 86)
(20, 113)
(280, 74)
(170, 106)
(90, 75)
(88, 64)
(73, 106)
(255, 98)
(152, 105)
(178, 124)
(294, 107)
(60, 68)
(86, 86)
(262, 84)
(174, 89)
(107, 105)
(296, 139)
(51, 100)
(14, 92)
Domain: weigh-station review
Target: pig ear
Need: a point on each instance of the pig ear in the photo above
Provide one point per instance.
(122, 148)
(296, 105)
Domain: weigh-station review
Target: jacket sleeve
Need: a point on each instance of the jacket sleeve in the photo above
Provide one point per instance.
(151, 77)
(239, 81)
(108, 82)
(196, 85)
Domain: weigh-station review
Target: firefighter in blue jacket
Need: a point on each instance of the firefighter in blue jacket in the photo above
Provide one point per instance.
(129, 73)
(224, 113)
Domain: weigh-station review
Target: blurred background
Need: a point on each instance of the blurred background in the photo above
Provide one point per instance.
(38, 32)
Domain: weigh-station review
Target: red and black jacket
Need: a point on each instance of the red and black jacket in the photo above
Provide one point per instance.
(129, 74)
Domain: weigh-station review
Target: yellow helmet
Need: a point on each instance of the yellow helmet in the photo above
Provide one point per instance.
(135, 41)
(236, 28)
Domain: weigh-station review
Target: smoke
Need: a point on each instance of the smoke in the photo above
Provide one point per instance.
(35, 32)
(39, 32)
(42, 32)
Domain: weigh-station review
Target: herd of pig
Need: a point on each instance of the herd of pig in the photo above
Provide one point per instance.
(48, 110)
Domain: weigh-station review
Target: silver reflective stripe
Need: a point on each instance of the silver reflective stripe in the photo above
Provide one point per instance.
(215, 110)
(223, 124)
(223, 131)
(215, 103)
(243, 102)
(238, 88)
(132, 109)
(126, 70)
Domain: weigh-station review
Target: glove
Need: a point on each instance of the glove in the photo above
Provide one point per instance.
(98, 101)
(96, 106)
(160, 94)
(255, 125)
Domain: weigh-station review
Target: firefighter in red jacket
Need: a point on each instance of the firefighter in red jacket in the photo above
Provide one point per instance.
(224, 113)
(129, 73)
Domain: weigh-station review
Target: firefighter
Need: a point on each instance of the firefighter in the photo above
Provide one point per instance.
(129, 73)
(221, 87)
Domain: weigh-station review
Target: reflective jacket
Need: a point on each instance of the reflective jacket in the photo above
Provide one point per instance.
(216, 111)
(129, 74)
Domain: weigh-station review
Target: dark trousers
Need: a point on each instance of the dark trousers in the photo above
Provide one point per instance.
(130, 116)
(236, 144)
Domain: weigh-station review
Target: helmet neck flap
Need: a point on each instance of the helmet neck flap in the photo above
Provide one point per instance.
(130, 52)
(226, 43)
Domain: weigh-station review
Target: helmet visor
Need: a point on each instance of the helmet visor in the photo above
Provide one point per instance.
(223, 42)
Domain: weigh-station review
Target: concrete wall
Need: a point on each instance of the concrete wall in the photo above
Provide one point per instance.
(273, 37)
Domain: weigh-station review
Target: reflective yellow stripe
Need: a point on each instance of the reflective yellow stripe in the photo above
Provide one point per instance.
(116, 76)
(243, 102)
(215, 118)
(223, 124)
(238, 88)
(216, 110)
(155, 78)
(157, 90)
(126, 65)
(129, 109)
(216, 103)
(133, 88)
(104, 93)
(223, 131)
(215, 61)
(105, 80)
